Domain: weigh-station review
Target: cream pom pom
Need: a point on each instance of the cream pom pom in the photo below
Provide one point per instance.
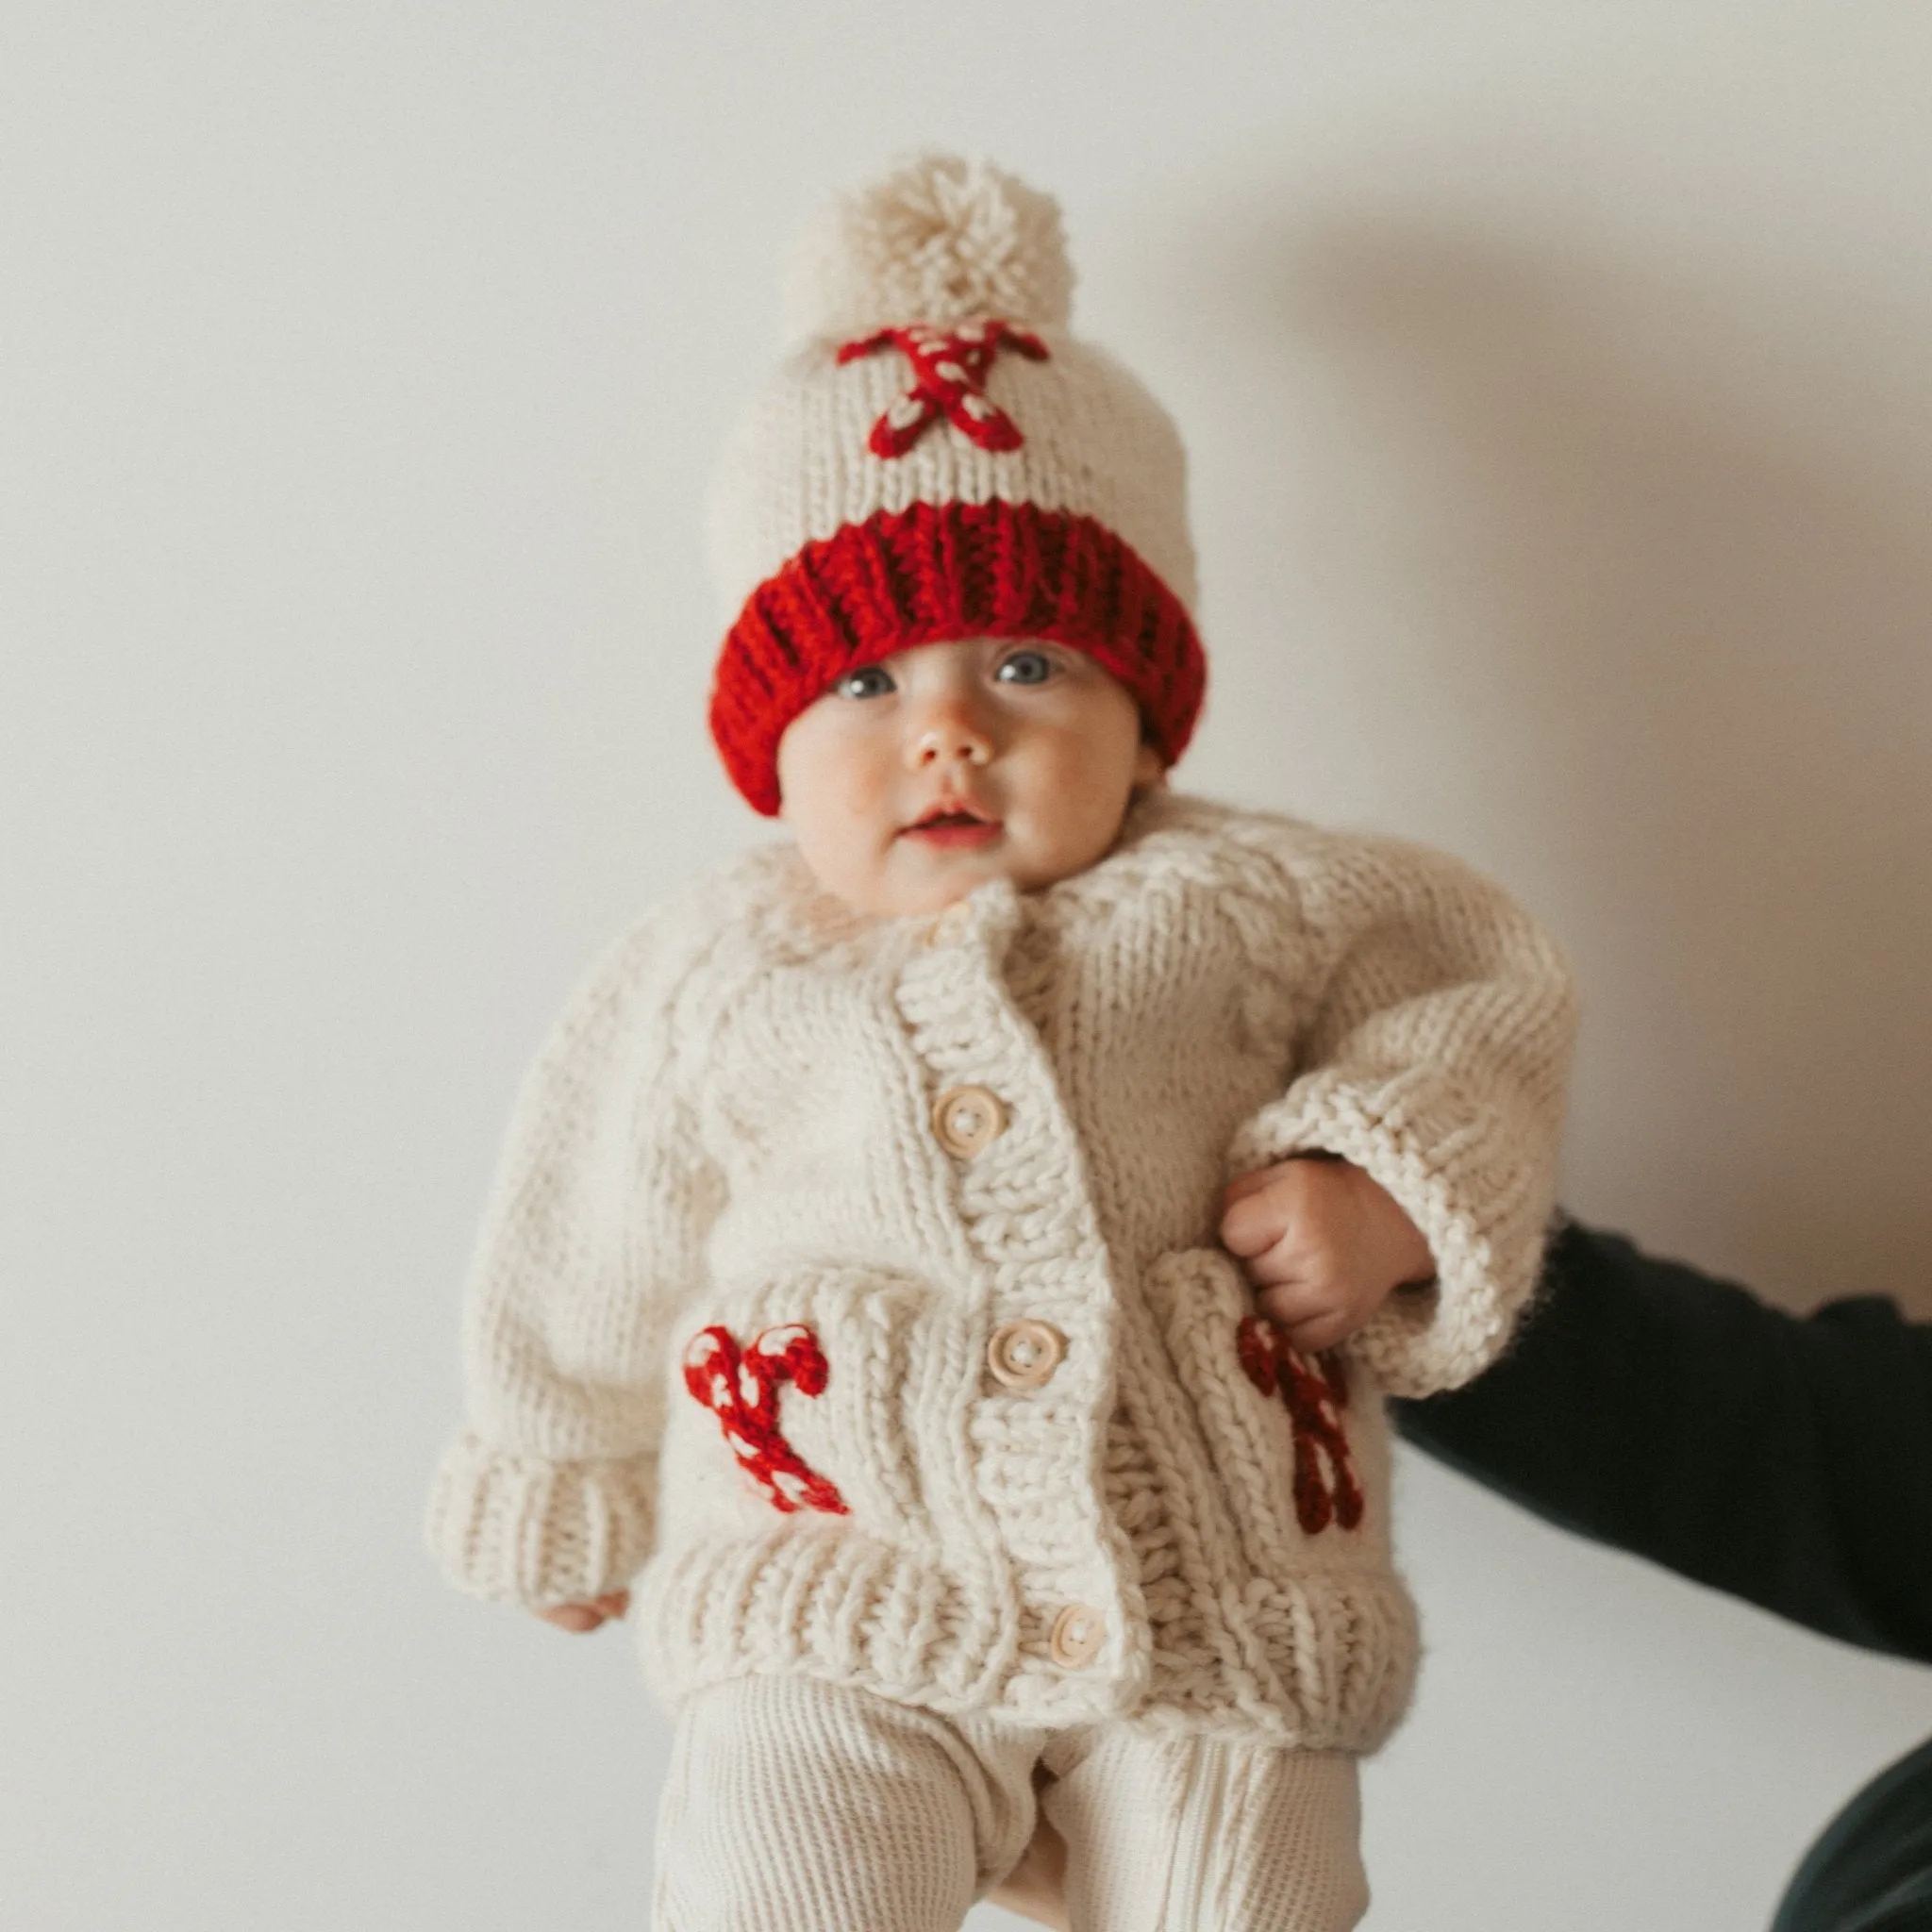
(941, 240)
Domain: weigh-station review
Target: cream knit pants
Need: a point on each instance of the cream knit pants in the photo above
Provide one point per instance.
(798, 1807)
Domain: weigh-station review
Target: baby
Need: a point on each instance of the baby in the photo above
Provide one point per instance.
(955, 1256)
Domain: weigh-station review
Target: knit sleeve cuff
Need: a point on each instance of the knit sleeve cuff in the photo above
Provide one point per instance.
(1481, 1202)
(525, 1530)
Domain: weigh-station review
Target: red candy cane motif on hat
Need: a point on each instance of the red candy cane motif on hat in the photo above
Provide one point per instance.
(1314, 1391)
(740, 1388)
(949, 370)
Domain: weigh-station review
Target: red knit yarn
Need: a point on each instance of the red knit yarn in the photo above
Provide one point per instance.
(1314, 1391)
(936, 574)
(949, 369)
(740, 1389)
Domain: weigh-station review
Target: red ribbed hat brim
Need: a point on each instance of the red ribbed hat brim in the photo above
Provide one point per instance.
(932, 573)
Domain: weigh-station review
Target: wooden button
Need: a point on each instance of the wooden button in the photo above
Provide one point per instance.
(1077, 1636)
(1024, 1354)
(966, 1119)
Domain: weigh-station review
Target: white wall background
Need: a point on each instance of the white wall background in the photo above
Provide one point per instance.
(1559, 388)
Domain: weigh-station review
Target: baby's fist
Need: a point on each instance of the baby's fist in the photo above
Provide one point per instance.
(587, 1616)
(1324, 1245)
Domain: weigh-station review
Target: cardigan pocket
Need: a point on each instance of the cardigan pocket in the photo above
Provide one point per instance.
(818, 1395)
(1279, 1424)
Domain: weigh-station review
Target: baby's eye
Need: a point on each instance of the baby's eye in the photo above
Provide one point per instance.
(868, 681)
(1024, 667)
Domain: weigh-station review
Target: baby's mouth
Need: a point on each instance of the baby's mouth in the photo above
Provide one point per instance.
(953, 824)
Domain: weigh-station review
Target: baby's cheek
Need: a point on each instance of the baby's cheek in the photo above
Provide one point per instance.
(1090, 803)
(853, 784)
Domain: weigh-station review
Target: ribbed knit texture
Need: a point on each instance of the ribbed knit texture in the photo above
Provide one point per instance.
(733, 1126)
(924, 575)
(797, 1807)
(1201, 1834)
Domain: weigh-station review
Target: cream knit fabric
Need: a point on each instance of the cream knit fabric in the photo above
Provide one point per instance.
(792, 1805)
(946, 243)
(766, 1117)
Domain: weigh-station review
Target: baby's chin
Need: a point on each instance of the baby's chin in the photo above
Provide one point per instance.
(910, 883)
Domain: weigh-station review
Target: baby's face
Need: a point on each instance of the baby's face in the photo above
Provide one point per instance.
(929, 772)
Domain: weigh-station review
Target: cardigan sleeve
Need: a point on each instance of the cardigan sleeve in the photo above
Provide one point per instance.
(1786, 1460)
(1435, 1055)
(595, 1224)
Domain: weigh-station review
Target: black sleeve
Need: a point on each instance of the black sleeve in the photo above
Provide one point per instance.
(1785, 1460)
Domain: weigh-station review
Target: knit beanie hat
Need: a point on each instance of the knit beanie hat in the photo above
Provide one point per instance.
(937, 459)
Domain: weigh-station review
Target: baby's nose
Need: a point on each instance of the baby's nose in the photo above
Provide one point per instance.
(949, 735)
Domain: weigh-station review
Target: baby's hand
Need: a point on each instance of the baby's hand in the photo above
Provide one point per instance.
(587, 1616)
(1324, 1245)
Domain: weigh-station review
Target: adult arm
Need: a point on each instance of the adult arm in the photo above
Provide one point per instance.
(1786, 1460)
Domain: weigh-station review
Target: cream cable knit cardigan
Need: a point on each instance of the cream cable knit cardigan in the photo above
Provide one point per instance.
(980, 1161)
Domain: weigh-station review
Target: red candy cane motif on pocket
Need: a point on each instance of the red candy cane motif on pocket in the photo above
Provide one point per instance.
(1314, 1391)
(740, 1388)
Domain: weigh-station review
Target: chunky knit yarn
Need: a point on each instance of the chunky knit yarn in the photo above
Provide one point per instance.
(977, 1164)
(935, 457)
(926, 575)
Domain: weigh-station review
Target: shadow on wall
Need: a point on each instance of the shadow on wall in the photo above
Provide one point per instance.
(1679, 533)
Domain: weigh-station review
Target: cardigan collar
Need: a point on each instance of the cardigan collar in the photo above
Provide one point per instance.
(773, 892)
